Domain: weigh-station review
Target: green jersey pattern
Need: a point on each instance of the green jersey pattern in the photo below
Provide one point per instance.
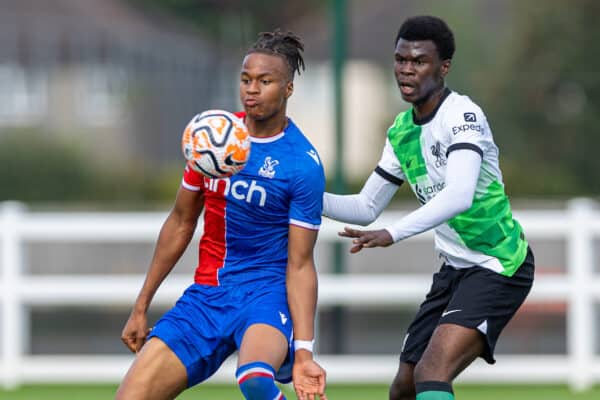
(488, 226)
(405, 138)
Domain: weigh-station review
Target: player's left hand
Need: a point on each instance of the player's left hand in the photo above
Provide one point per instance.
(367, 239)
(309, 380)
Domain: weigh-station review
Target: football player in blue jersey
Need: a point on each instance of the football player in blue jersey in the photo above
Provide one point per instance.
(256, 272)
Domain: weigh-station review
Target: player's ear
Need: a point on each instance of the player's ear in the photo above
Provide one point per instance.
(289, 89)
(445, 68)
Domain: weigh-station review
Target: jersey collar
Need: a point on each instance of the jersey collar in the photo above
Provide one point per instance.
(253, 139)
(429, 117)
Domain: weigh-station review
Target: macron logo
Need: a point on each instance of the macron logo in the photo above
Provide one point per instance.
(284, 319)
(313, 154)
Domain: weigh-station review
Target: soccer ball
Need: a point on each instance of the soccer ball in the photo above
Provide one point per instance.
(216, 143)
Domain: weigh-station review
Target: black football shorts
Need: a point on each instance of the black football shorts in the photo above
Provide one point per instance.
(476, 298)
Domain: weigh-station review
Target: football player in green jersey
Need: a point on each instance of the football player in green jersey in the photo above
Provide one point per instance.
(444, 148)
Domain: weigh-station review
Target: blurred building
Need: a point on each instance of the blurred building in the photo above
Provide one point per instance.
(121, 83)
(117, 82)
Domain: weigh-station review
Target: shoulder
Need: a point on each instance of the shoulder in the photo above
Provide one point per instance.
(403, 124)
(460, 108)
(301, 150)
(403, 118)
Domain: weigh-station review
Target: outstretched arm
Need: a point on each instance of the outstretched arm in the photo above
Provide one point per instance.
(364, 207)
(301, 282)
(462, 173)
(174, 237)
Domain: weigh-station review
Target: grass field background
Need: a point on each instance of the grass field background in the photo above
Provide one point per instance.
(345, 392)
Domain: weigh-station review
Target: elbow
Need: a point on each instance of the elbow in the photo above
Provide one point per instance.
(367, 218)
(366, 222)
(458, 199)
(370, 214)
(465, 203)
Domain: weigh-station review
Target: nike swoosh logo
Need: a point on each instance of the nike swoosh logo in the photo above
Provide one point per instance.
(229, 161)
(449, 312)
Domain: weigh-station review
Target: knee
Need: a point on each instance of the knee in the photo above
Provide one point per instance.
(421, 372)
(431, 371)
(401, 392)
(402, 389)
(132, 391)
(428, 372)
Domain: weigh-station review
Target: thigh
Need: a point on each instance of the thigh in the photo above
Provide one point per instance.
(156, 373)
(264, 333)
(427, 318)
(196, 331)
(486, 301)
(264, 343)
(451, 349)
(403, 385)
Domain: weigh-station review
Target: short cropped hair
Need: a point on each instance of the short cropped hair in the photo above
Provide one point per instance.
(429, 28)
(284, 44)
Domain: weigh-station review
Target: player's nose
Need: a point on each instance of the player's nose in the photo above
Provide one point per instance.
(253, 87)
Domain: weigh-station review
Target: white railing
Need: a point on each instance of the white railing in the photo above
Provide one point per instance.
(579, 288)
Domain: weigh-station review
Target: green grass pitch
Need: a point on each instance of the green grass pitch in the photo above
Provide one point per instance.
(346, 392)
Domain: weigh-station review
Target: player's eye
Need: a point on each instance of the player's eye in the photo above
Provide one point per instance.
(265, 81)
(245, 81)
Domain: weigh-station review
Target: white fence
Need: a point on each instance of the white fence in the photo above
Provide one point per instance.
(578, 225)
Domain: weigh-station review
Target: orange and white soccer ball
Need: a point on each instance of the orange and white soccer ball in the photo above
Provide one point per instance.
(216, 143)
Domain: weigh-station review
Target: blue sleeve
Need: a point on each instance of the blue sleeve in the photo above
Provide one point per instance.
(307, 190)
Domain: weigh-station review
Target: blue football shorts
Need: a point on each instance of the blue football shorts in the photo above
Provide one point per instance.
(207, 325)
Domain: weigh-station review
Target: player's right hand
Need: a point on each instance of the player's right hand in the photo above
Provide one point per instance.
(135, 331)
(309, 380)
(367, 239)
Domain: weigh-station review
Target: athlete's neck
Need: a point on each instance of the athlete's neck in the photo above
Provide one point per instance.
(426, 106)
(266, 127)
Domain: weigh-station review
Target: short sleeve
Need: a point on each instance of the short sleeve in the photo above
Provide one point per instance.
(307, 188)
(192, 179)
(467, 128)
(389, 166)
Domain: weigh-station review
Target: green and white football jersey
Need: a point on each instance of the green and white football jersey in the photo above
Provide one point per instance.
(416, 152)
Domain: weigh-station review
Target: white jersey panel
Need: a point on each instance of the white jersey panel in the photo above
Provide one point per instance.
(485, 234)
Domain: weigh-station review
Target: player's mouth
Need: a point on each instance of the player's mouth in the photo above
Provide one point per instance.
(407, 89)
(250, 102)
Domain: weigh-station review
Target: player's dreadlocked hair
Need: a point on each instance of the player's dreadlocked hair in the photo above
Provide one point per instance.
(429, 28)
(286, 45)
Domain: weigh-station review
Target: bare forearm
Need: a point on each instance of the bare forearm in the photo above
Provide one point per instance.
(302, 299)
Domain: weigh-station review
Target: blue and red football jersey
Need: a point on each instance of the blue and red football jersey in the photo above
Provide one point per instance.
(247, 216)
